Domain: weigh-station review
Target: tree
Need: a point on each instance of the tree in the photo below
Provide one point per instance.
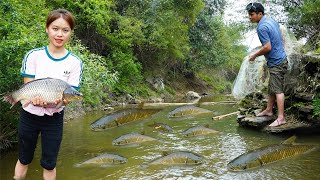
(304, 20)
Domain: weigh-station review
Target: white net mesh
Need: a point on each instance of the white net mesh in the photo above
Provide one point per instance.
(289, 44)
(252, 77)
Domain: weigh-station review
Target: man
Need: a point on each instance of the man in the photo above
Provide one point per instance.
(272, 48)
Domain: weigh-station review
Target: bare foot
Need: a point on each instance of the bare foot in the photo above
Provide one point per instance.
(277, 122)
(265, 113)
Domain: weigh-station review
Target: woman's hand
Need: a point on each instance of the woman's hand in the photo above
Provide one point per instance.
(65, 102)
(38, 101)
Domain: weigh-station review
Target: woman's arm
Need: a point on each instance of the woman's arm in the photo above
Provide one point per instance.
(27, 79)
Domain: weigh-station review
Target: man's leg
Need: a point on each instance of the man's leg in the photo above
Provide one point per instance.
(280, 104)
(49, 174)
(20, 171)
(268, 110)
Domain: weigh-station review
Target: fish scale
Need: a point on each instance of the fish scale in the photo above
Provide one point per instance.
(269, 154)
(49, 89)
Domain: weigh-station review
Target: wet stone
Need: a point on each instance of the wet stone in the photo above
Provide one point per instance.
(256, 122)
(290, 126)
(306, 109)
(305, 96)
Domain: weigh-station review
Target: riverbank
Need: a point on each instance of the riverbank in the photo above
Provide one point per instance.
(302, 100)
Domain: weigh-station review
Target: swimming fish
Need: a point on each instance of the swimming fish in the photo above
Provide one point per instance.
(178, 158)
(198, 131)
(120, 118)
(187, 110)
(105, 159)
(131, 138)
(269, 154)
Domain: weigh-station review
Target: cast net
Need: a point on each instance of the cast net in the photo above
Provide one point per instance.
(254, 76)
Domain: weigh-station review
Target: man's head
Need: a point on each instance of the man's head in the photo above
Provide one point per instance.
(255, 11)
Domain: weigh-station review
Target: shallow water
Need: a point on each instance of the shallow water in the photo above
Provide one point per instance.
(80, 144)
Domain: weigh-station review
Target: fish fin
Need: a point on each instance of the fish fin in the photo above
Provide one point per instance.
(59, 105)
(290, 140)
(8, 98)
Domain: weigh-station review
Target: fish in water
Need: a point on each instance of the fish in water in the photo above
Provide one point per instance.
(269, 154)
(178, 158)
(187, 110)
(49, 89)
(105, 159)
(198, 131)
(120, 118)
(131, 138)
(161, 127)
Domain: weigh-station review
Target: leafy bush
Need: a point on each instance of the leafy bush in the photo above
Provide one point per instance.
(215, 44)
(97, 79)
(20, 30)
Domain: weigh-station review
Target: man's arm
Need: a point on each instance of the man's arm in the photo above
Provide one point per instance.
(264, 50)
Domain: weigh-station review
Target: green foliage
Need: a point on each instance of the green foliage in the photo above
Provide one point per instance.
(304, 20)
(97, 79)
(120, 40)
(20, 30)
(164, 25)
(214, 44)
(316, 105)
(114, 34)
(216, 78)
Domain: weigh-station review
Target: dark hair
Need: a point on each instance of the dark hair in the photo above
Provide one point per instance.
(255, 7)
(56, 14)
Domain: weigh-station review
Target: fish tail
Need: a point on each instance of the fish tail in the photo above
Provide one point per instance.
(8, 98)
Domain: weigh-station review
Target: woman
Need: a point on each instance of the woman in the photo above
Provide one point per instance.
(52, 61)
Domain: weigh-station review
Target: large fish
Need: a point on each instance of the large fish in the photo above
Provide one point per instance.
(131, 138)
(268, 154)
(178, 158)
(104, 159)
(120, 118)
(187, 110)
(48, 88)
(198, 131)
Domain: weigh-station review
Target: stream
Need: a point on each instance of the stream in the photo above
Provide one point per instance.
(80, 143)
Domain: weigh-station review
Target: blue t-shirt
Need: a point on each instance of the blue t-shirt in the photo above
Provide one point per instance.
(269, 30)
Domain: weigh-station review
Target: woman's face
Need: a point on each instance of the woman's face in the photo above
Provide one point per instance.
(59, 32)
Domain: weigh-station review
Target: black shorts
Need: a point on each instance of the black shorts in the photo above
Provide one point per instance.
(50, 128)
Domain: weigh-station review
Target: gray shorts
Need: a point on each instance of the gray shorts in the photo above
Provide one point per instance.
(276, 81)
